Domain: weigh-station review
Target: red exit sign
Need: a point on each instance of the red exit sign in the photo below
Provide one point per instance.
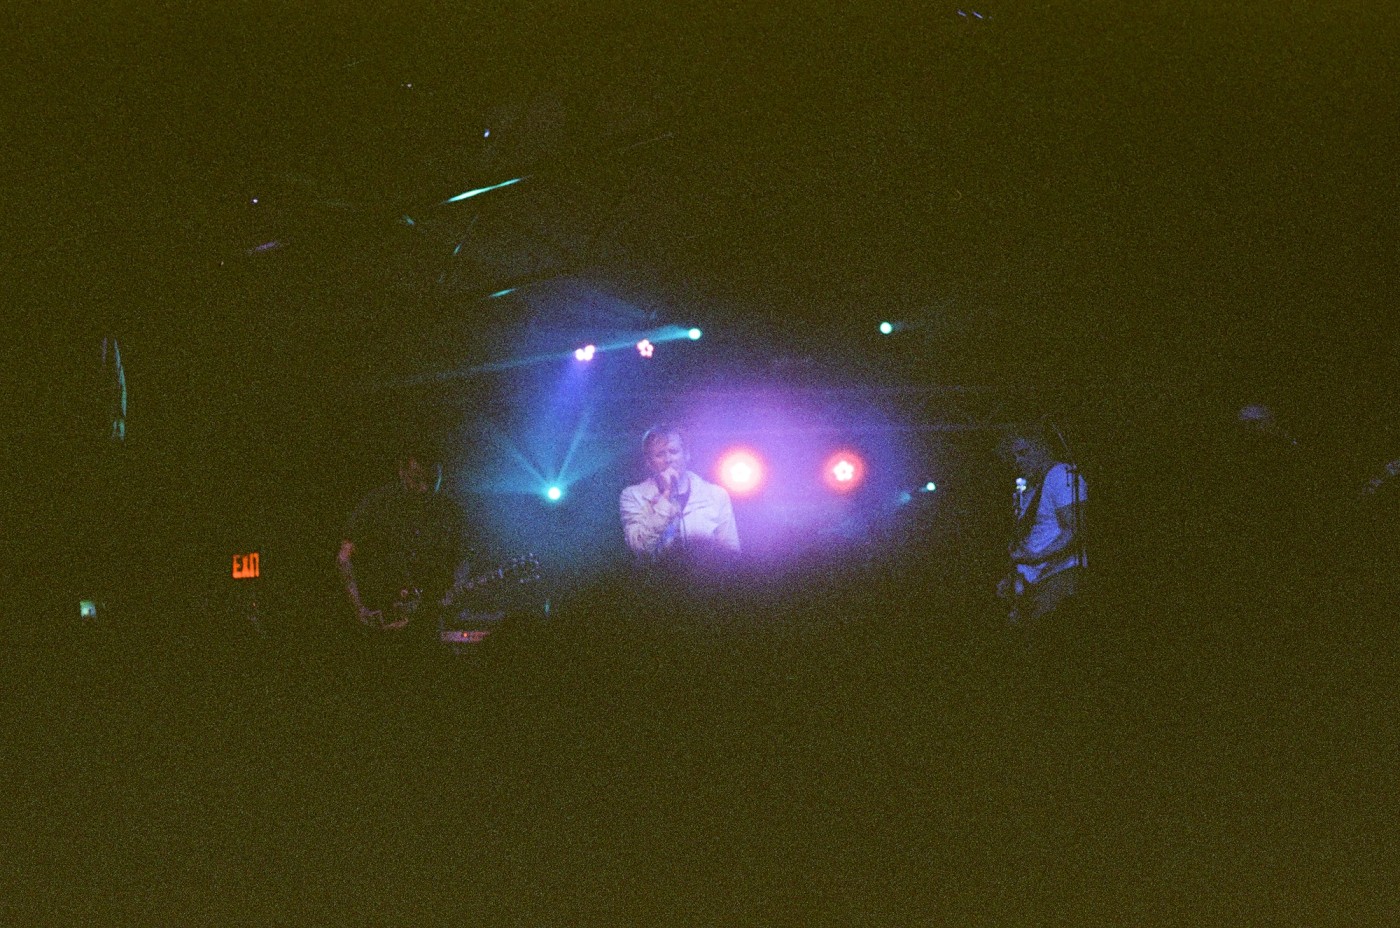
(245, 566)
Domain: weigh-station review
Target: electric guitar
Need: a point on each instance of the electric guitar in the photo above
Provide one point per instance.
(1380, 479)
(517, 572)
(1013, 589)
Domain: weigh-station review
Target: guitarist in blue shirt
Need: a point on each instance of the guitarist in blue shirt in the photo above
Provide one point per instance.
(1047, 550)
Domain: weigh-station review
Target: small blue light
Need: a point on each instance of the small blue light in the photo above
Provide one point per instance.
(554, 494)
(886, 328)
(694, 335)
(486, 134)
(502, 292)
(905, 497)
(930, 487)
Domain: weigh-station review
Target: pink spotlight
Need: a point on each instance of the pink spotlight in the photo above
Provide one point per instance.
(585, 353)
(740, 471)
(844, 471)
(645, 348)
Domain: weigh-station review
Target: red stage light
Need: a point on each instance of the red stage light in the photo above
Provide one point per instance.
(740, 471)
(844, 471)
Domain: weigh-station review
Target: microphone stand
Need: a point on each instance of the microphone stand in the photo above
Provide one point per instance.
(1018, 503)
(682, 500)
(675, 527)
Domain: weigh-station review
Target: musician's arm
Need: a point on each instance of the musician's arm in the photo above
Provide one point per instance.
(1064, 540)
(643, 522)
(345, 560)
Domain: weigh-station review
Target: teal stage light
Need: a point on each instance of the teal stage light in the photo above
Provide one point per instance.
(480, 190)
(886, 328)
(694, 335)
(554, 494)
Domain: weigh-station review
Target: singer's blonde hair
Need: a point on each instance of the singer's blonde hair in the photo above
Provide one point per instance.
(662, 432)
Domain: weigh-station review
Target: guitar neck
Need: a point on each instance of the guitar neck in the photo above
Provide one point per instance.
(466, 586)
(524, 567)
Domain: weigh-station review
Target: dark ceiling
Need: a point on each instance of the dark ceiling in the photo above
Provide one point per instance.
(1181, 194)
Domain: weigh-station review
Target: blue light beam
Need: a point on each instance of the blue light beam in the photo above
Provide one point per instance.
(585, 420)
(480, 190)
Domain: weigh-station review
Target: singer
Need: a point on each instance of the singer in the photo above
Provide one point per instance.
(675, 510)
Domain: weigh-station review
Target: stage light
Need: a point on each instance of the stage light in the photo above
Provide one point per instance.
(694, 335)
(844, 471)
(645, 348)
(554, 494)
(500, 293)
(740, 471)
(930, 487)
(486, 134)
(886, 328)
(480, 190)
(586, 352)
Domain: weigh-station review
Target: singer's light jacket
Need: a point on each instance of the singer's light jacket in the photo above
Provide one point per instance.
(653, 524)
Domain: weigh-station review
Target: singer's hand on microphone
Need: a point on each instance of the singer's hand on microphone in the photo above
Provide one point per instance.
(670, 481)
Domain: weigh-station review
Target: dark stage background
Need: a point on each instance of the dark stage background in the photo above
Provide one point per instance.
(1133, 224)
